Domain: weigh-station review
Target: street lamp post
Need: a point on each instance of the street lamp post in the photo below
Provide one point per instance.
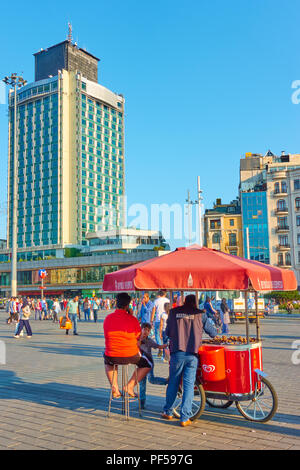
(200, 198)
(15, 81)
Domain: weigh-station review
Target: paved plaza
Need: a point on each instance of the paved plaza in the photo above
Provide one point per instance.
(54, 395)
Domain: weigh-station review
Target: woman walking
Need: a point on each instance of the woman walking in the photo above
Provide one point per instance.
(225, 317)
(56, 310)
(86, 309)
(24, 320)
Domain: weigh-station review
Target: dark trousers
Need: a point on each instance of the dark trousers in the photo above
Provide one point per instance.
(25, 323)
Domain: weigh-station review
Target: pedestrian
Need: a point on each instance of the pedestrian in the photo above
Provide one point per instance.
(158, 310)
(24, 320)
(50, 308)
(95, 306)
(71, 314)
(12, 310)
(43, 309)
(121, 332)
(80, 308)
(146, 344)
(162, 330)
(56, 310)
(184, 330)
(225, 317)
(145, 313)
(17, 316)
(210, 311)
(86, 309)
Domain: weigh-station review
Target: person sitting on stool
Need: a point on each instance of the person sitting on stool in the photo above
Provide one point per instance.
(121, 332)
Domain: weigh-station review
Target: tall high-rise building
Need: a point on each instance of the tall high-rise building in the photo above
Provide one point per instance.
(70, 153)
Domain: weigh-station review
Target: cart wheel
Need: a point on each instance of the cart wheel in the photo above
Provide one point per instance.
(263, 406)
(217, 403)
(198, 403)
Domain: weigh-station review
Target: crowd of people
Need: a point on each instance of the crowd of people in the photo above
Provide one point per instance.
(53, 309)
(137, 325)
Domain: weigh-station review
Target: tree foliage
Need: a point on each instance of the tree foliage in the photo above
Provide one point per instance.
(283, 296)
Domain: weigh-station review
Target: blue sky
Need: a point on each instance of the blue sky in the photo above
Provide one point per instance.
(204, 82)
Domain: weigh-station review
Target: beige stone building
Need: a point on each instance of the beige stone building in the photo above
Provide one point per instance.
(223, 228)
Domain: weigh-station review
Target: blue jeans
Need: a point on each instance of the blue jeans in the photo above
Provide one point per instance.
(73, 318)
(157, 333)
(225, 329)
(182, 365)
(21, 325)
(87, 314)
(143, 385)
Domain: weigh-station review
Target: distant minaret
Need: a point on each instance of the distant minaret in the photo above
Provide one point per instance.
(69, 32)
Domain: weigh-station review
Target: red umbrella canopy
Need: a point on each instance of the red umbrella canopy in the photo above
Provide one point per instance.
(200, 268)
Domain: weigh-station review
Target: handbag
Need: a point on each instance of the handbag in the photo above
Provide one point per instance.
(226, 318)
(64, 323)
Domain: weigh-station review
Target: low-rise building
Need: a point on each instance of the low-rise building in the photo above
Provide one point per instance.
(270, 201)
(223, 228)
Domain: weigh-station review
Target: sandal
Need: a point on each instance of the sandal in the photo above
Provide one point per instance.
(116, 394)
(131, 395)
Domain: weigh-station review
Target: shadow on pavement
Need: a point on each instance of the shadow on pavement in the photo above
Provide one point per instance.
(92, 400)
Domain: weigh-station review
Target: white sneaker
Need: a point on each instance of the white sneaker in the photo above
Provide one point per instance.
(28, 336)
(22, 333)
(17, 336)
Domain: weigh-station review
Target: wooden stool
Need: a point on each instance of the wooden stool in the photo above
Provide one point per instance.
(126, 398)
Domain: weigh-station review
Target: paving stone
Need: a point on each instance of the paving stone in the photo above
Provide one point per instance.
(56, 397)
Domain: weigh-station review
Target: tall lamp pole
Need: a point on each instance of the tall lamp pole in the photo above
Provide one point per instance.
(15, 81)
(200, 198)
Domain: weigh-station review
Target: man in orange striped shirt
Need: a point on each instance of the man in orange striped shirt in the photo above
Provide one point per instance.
(122, 333)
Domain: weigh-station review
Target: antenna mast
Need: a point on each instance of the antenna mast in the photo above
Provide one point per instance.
(69, 32)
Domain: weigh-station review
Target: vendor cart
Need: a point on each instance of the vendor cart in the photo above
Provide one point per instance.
(230, 369)
(232, 373)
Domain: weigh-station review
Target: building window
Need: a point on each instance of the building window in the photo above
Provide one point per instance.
(216, 238)
(296, 184)
(282, 222)
(215, 223)
(231, 222)
(283, 187)
(280, 259)
(282, 206)
(298, 220)
(288, 259)
(283, 240)
(298, 239)
(297, 203)
(232, 239)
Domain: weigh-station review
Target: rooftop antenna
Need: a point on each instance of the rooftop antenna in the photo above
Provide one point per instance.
(69, 32)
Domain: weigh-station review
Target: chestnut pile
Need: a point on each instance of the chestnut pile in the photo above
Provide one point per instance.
(228, 340)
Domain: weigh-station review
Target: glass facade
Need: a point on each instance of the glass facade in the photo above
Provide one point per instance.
(82, 275)
(102, 165)
(37, 154)
(255, 218)
(60, 276)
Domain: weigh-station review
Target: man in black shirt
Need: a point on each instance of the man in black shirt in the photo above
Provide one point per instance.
(185, 325)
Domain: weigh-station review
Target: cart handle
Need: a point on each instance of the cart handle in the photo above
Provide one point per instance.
(260, 373)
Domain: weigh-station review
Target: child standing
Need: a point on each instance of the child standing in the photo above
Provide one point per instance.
(145, 345)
